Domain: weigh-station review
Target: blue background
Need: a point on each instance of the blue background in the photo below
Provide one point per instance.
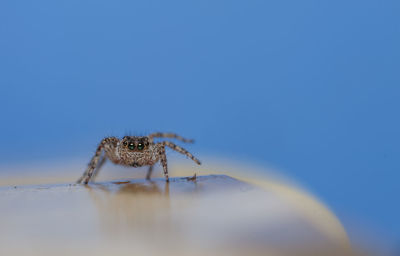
(309, 87)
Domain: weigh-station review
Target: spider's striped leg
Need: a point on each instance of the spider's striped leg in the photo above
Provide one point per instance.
(180, 150)
(87, 175)
(149, 171)
(102, 161)
(91, 166)
(169, 135)
(163, 160)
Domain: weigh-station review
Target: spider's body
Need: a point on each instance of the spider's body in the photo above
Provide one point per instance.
(135, 152)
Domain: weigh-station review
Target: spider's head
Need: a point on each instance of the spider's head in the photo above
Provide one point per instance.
(135, 144)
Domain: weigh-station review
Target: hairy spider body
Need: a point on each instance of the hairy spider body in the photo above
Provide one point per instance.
(134, 151)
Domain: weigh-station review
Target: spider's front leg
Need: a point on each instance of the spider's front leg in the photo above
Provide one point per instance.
(149, 171)
(163, 159)
(102, 161)
(181, 150)
(91, 166)
(169, 135)
(87, 175)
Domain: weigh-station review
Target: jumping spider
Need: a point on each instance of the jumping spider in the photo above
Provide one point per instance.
(135, 151)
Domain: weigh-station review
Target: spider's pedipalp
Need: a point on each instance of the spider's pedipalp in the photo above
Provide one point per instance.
(169, 135)
(180, 150)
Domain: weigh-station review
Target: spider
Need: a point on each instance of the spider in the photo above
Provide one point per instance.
(135, 151)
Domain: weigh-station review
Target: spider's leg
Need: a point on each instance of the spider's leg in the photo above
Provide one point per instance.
(91, 166)
(102, 161)
(180, 150)
(163, 160)
(169, 135)
(149, 171)
(87, 175)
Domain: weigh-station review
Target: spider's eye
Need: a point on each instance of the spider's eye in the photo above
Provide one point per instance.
(125, 143)
(140, 146)
(131, 146)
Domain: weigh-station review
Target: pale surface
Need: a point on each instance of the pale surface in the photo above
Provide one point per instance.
(212, 215)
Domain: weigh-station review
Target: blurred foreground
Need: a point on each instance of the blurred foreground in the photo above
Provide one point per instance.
(207, 215)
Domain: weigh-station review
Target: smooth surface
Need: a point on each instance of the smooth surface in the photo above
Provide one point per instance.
(213, 215)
